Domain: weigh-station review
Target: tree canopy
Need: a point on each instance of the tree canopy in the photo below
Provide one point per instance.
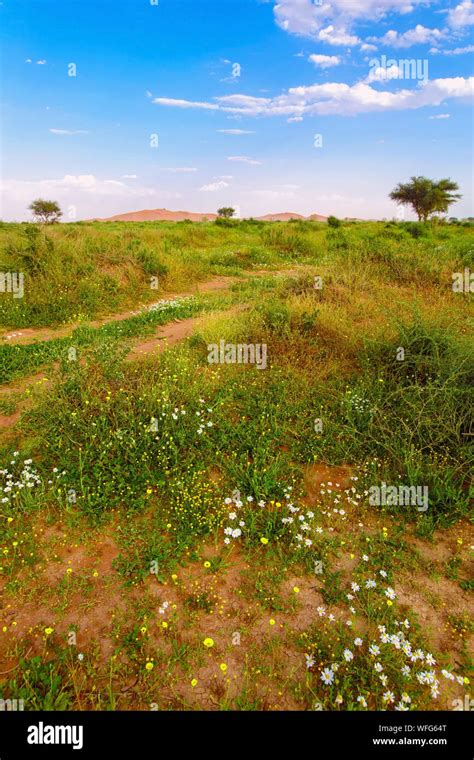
(426, 196)
(44, 211)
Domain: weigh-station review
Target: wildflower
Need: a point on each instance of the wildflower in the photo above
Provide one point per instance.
(348, 656)
(149, 666)
(48, 631)
(374, 649)
(383, 573)
(271, 621)
(321, 611)
(358, 642)
(327, 676)
(80, 657)
(362, 701)
(390, 593)
(365, 558)
(207, 564)
(310, 661)
(370, 584)
(194, 682)
(378, 667)
(406, 671)
(164, 624)
(208, 642)
(355, 587)
(223, 667)
(339, 699)
(296, 589)
(264, 540)
(447, 675)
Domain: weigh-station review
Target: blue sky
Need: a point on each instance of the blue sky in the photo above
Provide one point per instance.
(302, 105)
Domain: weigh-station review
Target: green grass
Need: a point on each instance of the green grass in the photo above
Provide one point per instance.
(165, 458)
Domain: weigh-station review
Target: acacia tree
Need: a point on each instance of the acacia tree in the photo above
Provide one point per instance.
(426, 196)
(226, 212)
(47, 212)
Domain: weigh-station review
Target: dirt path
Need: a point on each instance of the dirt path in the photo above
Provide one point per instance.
(33, 334)
(165, 336)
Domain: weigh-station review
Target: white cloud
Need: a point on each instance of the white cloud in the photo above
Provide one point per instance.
(28, 60)
(455, 51)
(339, 98)
(382, 74)
(178, 169)
(129, 176)
(184, 103)
(294, 118)
(214, 187)
(69, 131)
(420, 35)
(441, 116)
(324, 61)
(366, 48)
(305, 18)
(82, 183)
(462, 15)
(337, 36)
(41, 63)
(235, 131)
(244, 160)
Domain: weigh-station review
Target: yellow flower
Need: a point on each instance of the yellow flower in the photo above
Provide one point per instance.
(95, 573)
(143, 629)
(223, 667)
(48, 631)
(69, 570)
(194, 682)
(296, 589)
(149, 666)
(10, 519)
(207, 564)
(272, 622)
(389, 603)
(264, 540)
(208, 642)
(164, 624)
(149, 490)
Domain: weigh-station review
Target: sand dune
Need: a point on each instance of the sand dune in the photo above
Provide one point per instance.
(164, 215)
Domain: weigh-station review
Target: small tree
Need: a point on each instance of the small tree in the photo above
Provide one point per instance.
(226, 212)
(333, 221)
(426, 196)
(47, 212)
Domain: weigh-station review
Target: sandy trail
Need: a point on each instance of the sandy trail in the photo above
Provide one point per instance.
(24, 335)
(165, 336)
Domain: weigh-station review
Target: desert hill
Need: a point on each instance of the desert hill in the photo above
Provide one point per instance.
(164, 215)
